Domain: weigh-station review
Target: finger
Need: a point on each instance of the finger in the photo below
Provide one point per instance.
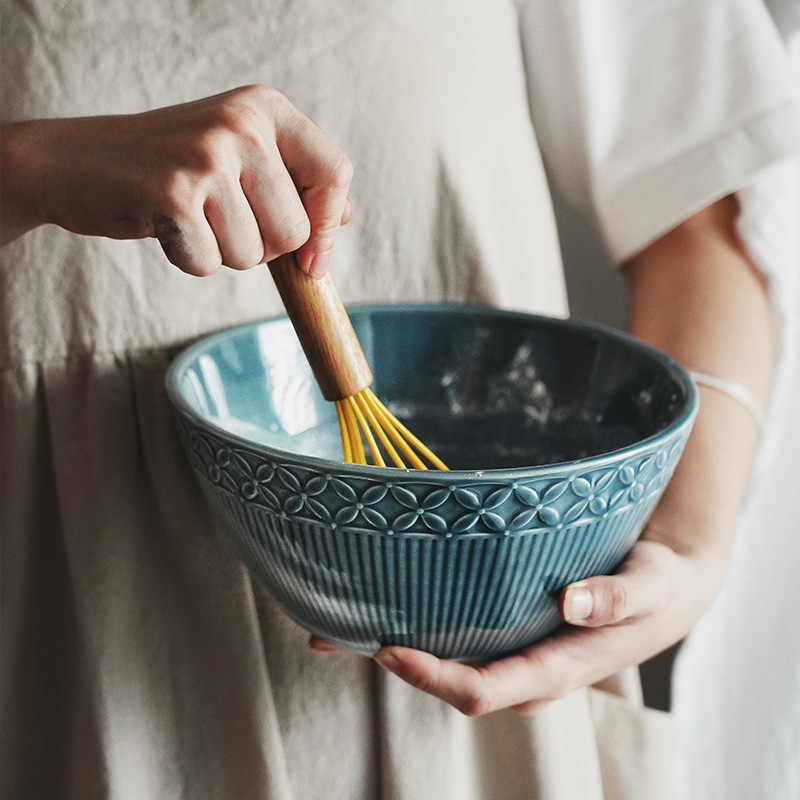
(235, 228)
(188, 242)
(325, 207)
(322, 174)
(275, 204)
(639, 589)
(536, 676)
(456, 684)
(472, 690)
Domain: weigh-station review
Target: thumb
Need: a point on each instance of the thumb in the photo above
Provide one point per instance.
(637, 590)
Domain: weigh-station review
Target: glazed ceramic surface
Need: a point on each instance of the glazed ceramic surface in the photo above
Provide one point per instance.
(560, 437)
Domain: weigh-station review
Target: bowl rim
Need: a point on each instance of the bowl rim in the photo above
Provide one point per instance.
(685, 419)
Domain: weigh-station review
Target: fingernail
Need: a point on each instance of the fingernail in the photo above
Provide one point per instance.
(578, 603)
(388, 660)
(319, 264)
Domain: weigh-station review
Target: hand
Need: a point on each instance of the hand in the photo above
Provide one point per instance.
(234, 179)
(616, 621)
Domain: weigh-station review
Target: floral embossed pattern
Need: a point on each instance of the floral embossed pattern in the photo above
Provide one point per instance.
(414, 504)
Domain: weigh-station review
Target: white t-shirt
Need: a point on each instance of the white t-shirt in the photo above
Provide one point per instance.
(643, 122)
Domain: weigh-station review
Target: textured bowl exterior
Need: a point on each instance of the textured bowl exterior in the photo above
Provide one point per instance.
(460, 565)
(463, 564)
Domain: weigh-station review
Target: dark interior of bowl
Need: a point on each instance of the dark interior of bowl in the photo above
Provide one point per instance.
(484, 389)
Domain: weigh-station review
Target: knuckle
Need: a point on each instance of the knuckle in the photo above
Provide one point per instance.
(202, 269)
(177, 194)
(423, 683)
(339, 170)
(478, 697)
(184, 251)
(293, 234)
(199, 266)
(474, 705)
(259, 94)
(325, 236)
(239, 122)
(244, 262)
(266, 103)
(234, 125)
(208, 151)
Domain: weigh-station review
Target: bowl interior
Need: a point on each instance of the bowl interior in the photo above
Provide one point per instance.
(486, 389)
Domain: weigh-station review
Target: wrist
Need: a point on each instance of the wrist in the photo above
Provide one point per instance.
(20, 207)
(699, 510)
(733, 389)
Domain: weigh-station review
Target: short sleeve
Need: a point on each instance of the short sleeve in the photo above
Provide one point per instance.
(648, 111)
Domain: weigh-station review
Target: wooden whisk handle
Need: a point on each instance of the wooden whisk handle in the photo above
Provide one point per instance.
(323, 328)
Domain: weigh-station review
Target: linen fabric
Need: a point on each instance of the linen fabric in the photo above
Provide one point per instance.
(138, 658)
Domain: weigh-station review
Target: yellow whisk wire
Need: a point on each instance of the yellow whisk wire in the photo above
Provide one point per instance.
(361, 417)
(344, 433)
(389, 424)
(357, 455)
(377, 458)
(363, 401)
(402, 431)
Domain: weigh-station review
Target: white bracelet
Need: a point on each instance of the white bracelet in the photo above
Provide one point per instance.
(734, 390)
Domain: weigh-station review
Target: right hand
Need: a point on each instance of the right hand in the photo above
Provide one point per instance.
(235, 179)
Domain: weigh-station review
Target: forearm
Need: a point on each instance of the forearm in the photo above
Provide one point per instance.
(696, 295)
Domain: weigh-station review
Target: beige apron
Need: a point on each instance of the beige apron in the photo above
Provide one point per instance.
(139, 661)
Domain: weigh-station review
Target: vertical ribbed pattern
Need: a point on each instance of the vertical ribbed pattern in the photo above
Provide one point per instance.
(458, 597)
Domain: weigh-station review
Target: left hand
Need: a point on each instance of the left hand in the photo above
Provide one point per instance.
(615, 621)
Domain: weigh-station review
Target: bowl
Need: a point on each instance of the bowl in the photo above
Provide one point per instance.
(560, 435)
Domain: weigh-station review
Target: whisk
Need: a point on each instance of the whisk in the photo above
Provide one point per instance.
(341, 370)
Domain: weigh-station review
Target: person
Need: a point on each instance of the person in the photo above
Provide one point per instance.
(742, 660)
(139, 660)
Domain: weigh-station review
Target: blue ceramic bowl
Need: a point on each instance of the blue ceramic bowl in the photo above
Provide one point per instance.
(560, 435)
